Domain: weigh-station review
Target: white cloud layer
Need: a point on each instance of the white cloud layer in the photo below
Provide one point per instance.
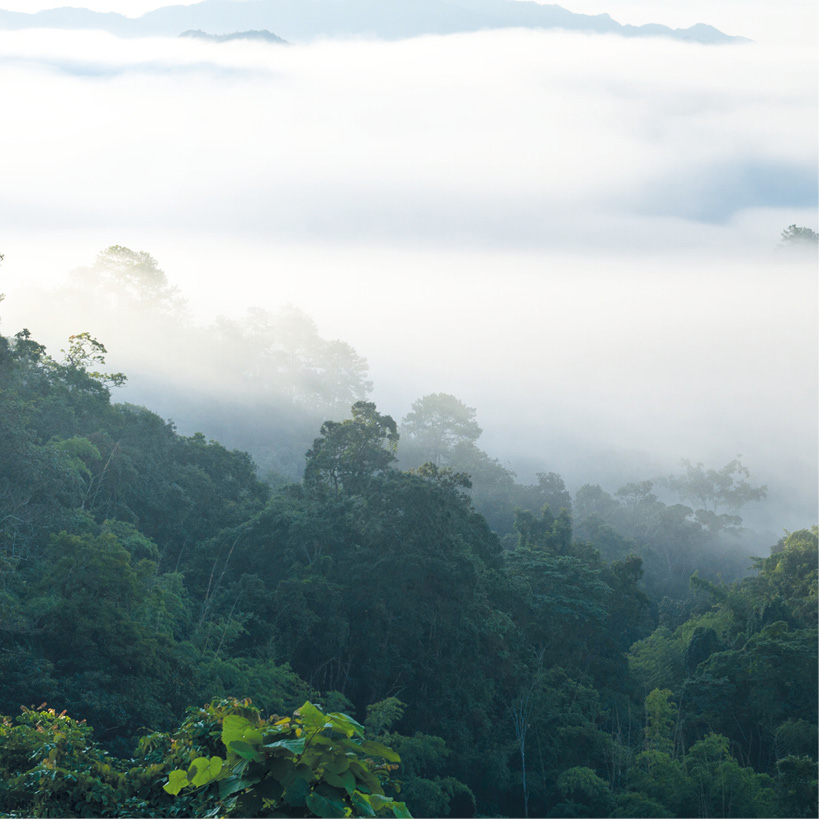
(505, 137)
(576, 234)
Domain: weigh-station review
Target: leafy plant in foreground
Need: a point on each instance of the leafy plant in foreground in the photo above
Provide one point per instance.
(311, 764)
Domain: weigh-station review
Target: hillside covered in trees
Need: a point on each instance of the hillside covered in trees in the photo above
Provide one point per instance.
(523, 651)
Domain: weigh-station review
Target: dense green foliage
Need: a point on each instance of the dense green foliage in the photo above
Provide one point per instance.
(521, 650)
(312, 764)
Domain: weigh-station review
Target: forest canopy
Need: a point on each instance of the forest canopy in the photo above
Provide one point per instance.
(460, 643)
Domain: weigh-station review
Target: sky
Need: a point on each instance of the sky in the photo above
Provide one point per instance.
(578, 235)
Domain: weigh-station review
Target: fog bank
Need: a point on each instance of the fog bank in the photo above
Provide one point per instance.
(578, 236)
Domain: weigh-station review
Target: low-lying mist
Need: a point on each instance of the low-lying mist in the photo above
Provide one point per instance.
(604, 373)
(576, 235)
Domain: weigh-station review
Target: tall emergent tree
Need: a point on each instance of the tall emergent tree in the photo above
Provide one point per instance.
(436, 424)
(352, 451)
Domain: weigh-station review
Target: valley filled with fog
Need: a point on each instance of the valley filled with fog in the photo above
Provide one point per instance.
(578, 235)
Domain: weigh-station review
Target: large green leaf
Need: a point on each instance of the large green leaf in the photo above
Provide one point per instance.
(295, 746)
(245, 750)
(204, 770)
(345, 780)
(367, 779)
(304, 772)
(400, 810)
(282, 769)
(234, 784)
(324, 807)
(249, 804)
(378, 801)
(176, 781)
(345, 725)
(361, 803)
(313, 718)
(270, 788)
(236, 728)
(296, 793)
(337, 764)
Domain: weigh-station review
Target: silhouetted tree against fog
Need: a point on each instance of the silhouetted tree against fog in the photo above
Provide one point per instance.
(717, 495)
(86, 353)
(440, 429)
(262, 382)
(282, 354)
(550, 490)
(672, 540)
(121, 277)
(436, 424)
(794, 236)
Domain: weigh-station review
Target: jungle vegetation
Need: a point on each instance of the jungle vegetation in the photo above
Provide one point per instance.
(404, 628)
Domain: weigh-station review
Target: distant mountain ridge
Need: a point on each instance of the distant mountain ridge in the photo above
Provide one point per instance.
(305, 20)
(263, 36)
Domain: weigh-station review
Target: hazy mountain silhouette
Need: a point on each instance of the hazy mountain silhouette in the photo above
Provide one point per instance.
(303, 20)
(262, 36)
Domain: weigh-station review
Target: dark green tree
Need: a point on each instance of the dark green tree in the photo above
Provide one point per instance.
(348, 454)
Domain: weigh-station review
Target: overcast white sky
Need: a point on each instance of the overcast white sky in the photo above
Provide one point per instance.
(578, 236)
